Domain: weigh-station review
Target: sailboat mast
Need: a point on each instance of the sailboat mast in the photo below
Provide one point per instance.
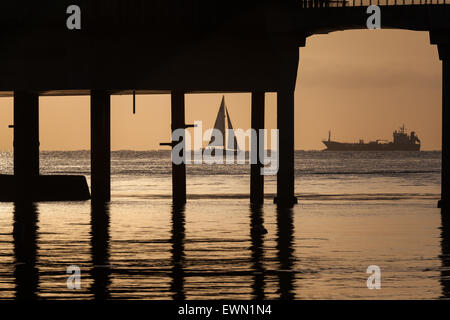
(231, 144)
(225, 120)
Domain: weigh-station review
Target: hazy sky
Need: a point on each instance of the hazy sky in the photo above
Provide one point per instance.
(358, 84)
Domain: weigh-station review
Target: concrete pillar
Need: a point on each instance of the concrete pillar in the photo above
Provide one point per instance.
(256, 178)
(178, 170)
(442, 40)
(285, 122)
(101, 145)
(445, 180)
(26, 141)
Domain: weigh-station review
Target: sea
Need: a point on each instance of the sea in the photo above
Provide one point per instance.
(356, 213)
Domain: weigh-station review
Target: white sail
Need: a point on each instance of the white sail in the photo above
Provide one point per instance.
(232, 143)
(219, 125)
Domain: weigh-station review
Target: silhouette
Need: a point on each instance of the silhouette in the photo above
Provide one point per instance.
(252, 46)
(285, 254)
(101, 269)
(401, 142)
(25, 237)
(227, 144)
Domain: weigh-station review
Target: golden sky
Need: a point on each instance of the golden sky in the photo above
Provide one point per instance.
(358, 84)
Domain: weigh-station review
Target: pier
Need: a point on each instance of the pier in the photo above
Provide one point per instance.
(253, 46)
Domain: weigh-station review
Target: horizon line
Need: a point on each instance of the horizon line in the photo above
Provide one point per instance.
(147, 150)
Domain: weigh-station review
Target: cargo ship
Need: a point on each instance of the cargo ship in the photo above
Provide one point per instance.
(402, 142)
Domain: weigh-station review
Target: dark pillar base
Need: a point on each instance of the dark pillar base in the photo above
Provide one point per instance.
(443, 204)
(256, 178)
(285, 202)
(100, 146)
(178, 170)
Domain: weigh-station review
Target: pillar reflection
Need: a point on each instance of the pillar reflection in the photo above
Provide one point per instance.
(178, 255)
(285, 252)
(100, 239)
(257, 232)
(25, 237)
(445, 254)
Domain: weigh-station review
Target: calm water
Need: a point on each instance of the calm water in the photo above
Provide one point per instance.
(354, 210)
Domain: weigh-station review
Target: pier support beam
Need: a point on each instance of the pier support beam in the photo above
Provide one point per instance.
(442, 39)
(100, 146)
(285, 122)
(256, 178)
(445, 179)
(26, 142)
(178, 169)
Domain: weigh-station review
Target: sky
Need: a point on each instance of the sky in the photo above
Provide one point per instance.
(360, 84)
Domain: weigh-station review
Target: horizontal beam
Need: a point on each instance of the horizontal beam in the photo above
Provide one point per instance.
(75, 93)
(404, 17)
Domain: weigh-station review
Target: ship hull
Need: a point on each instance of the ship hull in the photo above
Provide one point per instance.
(341, 146)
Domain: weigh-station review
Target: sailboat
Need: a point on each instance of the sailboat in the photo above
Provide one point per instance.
(230, 143)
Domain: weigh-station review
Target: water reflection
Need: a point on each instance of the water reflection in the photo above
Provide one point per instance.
(445, 256)
(285, 252)
(101, 271)
(178, 256)
(25, 237)
(257, 232)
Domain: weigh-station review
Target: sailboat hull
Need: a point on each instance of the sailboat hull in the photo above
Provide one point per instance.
(217, 151)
